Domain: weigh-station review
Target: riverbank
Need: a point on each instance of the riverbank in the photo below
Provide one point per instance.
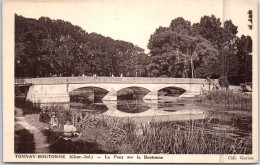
(32, 136)
(28, 138)
(227, 129)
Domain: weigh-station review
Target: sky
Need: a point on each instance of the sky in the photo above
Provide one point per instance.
(135, 20)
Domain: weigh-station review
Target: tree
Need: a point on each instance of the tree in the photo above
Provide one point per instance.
(229, 60)
(178, 53)
(223, 39)
(244, 56)
(47, 47)
(209, 28)
(181, 25)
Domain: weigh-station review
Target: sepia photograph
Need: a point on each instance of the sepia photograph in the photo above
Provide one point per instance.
(118, 81)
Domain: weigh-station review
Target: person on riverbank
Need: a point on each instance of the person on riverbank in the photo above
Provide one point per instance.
(44, 117)
(54, 120)
(70, 130)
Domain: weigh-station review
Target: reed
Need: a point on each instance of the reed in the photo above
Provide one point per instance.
(186, 137)
(227, 100)
(189, 138)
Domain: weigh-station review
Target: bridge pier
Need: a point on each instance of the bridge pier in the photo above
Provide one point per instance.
(153, 104)
(153, 95)
(111, 104)
(111, 96)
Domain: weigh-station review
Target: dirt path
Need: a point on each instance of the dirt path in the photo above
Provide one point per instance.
(41, 146)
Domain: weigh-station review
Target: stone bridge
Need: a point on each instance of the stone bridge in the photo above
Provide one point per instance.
(57, 89)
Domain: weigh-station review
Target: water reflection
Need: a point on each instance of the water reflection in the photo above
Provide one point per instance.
(130, 100)
(132, 106)
(130, 103)
(87, 95)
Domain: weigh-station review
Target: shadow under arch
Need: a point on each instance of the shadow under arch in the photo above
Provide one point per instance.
(88, 94)
(170, 93)
(132, 93)
(130, 99)
(168, 99)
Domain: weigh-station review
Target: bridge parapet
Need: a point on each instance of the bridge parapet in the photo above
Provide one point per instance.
(114, 80)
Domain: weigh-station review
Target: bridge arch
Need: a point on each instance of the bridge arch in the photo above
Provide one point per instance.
(171, 91)
(88, 94)
(72, 87)
(130, 99)
(132, 92)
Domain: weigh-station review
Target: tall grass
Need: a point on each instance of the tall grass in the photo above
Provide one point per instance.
(124, 136)
(189, 138)
(59, 145)
(221, 98)
(112, 133)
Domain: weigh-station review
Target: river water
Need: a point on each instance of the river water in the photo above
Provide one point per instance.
(171, 108)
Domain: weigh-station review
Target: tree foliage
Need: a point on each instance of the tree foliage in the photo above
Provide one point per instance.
(205, 49)
(46, 47)
(244, 57)
(209, 48)
(177, 53)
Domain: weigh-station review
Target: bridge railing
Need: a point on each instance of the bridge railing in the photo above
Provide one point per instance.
(137, 80)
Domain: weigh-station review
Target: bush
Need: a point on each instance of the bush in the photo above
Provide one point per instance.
(27, 106)
(23, 140)
(223, 81)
